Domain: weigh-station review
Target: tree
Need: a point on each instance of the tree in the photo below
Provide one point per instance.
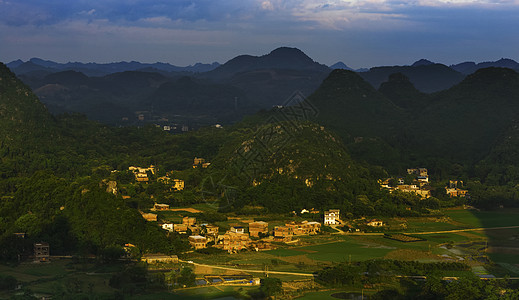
(187, 277)
(271, 286)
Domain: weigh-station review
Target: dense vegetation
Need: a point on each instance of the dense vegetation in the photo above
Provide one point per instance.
(411, 280)
(55, 170)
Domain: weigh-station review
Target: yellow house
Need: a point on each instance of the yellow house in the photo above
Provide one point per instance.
(149, 217)
(255, 228)
(197, 241)
(178, 184)
(159, 258)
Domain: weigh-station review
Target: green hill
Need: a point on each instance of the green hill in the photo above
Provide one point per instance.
(289, 165)
(351, 106)
(402, 92)
(463, 123)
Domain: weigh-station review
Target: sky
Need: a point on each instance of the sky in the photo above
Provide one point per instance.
(361, 33)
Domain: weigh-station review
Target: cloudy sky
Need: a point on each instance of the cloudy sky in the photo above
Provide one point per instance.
(361, 33)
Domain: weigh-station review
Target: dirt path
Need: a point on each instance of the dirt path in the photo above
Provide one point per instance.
(434, 232)
(463, 230)
(188, 209)
(249, 271)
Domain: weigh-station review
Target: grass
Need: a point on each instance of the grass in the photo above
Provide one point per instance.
(504, 258)
(49, 278)
(441, 238)
(208, 292)
(486, 219)
(499, 218)
(426, 225)
(464, 217)
(34, 271)
(328, 294)
(510, 267)
(335, 251)
(284, 252)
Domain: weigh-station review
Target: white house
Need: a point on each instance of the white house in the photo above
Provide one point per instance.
(331, 217)
(168, 227)
(237, 229)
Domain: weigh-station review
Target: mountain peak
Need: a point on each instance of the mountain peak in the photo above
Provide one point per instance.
(492, 75)
(340, 65)
(285, 58)
(287, 51)
(288, 56)
(422, 62)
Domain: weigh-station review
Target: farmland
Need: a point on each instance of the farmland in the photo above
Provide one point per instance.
(457, 235)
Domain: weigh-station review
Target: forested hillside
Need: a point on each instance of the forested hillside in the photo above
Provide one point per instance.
(328, 150)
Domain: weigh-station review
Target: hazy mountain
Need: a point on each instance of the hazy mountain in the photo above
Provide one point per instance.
(340, 65)
(106, 99)
(400, 124)
(350, 105)
(280, 58)
(402, 92)
(464, 121)
(422, 62)
(14, 64)
(425, 76)
(471, 67)
(96, 69)
(193, 97)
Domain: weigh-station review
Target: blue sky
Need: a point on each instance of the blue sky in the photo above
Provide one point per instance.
(361, 33)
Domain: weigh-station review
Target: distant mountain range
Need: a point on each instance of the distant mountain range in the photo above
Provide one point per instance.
(224, 93)
(471, 67)
(20, 67)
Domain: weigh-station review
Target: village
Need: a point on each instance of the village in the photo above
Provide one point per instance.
(236, 251)
(417, 182)
(258, 235)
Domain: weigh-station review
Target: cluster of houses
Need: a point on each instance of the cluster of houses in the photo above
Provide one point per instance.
(285, 233)
(200, 163)
(233, 240)
(419, 186)
(141, 175)
(332, 217)
(237, 238)
(454, 190)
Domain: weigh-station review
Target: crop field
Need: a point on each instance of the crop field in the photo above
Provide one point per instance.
(60, 275)
(425, 224)
(486, 219)
(403, 238)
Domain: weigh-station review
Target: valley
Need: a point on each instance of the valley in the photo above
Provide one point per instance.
(266, 176)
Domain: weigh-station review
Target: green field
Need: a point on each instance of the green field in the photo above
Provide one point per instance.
(61, 275)
(425, 225)
(328, 294)
(210, 292)
(486, 219)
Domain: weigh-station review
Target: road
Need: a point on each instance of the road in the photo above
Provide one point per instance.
(463, 230)
(247, 270)
(432, 232)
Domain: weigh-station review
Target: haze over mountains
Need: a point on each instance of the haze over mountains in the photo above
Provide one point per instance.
(124, 93)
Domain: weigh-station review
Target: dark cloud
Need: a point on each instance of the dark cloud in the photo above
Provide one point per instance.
(359, 30)
(37, 12)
